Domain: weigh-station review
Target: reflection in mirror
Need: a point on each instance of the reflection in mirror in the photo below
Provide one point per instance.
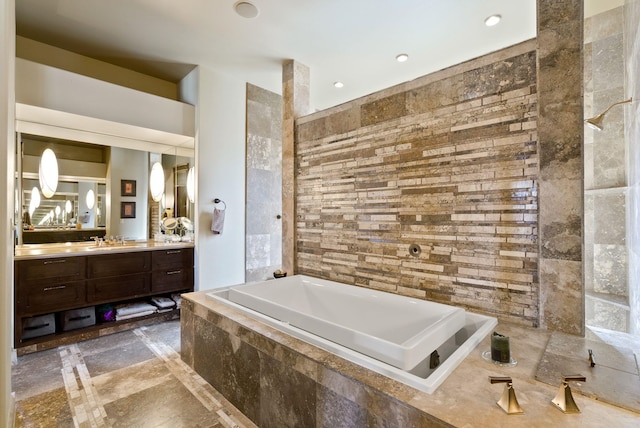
(64, 215)
(67, 216)
(176, 206)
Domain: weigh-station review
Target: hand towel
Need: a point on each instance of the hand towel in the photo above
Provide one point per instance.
(133, 308)
(163, 302)
(136, 315)
(217, 222)
(178, 299)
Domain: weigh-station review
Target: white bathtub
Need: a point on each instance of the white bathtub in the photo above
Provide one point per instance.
(391, 334)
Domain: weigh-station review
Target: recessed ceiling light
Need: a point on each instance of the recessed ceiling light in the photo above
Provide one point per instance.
(338, 84)
(402, 57)
(246, 9)
(492, 20)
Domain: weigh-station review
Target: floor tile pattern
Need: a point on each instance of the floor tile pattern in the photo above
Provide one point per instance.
(134, 378)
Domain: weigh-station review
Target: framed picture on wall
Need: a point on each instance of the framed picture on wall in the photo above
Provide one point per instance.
(127, 210)
(127, 187)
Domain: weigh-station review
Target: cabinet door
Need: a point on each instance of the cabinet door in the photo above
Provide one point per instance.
(49, 297)
(50, 270)
(172, 280)
(116, 288)
(172, 258)
(106, 265)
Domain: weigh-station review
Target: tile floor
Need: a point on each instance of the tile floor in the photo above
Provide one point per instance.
(130, 379)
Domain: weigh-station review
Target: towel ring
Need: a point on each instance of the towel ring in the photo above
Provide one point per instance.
(217, 201)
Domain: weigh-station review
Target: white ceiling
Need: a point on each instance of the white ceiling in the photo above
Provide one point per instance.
(353, 41)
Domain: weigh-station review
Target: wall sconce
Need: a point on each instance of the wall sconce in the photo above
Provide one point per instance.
(90, 199)
(48, 173)
(35, 201)
(156, 182)
(596, 122)
(191, 184)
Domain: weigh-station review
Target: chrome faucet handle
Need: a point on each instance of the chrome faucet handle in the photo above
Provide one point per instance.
(564, 398)
(592, 360)
(508, 401)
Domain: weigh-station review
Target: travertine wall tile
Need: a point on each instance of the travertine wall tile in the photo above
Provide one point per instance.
(631, 19)
(450, 165)
(607, 172)
(296, 103)
(560, 142)
(264, 184)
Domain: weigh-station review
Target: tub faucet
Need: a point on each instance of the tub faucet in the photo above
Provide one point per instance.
(508, 402)
(564, 399)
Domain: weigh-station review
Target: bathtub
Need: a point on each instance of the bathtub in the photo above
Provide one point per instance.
(391, 334)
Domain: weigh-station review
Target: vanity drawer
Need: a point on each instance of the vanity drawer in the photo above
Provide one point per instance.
(172, 258)
(121, 287)
(106, 265)
(50, 270)
(172, 280)
(50, 297)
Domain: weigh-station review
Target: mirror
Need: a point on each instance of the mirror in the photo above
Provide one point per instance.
(102, 190)
(177, 210)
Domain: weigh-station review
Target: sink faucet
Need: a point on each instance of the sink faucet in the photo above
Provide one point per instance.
(98, 240)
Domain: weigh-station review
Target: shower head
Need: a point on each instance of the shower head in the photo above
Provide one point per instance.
(596, 122)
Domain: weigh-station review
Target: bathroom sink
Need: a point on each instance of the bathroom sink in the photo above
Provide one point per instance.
(116, 247)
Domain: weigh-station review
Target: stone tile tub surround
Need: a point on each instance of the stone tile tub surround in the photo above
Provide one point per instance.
(345, 320)
(448, 161)
(277, 380)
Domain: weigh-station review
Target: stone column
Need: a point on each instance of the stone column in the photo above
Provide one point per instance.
(560, 143)
(296, 103)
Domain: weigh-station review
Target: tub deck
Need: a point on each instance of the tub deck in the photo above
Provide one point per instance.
(309, 386)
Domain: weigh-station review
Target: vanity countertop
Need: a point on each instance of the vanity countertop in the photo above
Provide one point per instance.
(66, 249)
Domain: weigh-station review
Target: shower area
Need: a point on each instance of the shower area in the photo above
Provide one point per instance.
(610, 168)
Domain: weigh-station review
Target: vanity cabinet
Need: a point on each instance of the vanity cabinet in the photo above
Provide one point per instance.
(53, 285)
(119, 276)
(48, 284)
(170, 269)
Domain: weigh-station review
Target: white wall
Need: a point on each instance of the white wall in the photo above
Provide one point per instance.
(83, 188)
(220, 167)
(7, 147)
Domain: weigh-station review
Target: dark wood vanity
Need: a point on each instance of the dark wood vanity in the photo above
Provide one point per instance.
(49, 283)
